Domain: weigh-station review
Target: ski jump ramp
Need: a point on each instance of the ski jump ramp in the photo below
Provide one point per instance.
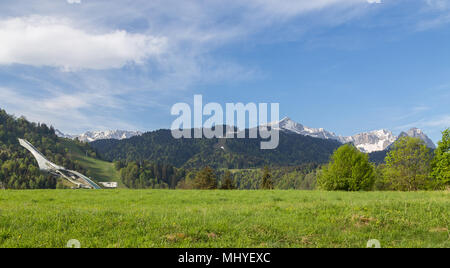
(45, 165)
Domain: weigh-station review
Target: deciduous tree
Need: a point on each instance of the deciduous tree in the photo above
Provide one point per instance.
(408, 165)
(441, 162)
(348, 170)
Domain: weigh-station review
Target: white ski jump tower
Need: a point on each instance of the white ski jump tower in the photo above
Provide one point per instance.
(74, 177)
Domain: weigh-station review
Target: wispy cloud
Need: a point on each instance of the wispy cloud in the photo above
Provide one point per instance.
(441, 122)
(433, 23)
(420, 108)
(433, 126)
(54, 110)
(436, 14)
(438, 4)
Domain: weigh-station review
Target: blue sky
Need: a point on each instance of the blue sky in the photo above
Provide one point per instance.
(345, 65)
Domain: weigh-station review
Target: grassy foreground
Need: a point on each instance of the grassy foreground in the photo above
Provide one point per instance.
(164, 218)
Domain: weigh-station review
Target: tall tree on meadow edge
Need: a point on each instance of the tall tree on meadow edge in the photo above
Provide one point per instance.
(348, 170)
(227, 181)
(267, 182)
(441, 162)
(408, 165)
(205, 179)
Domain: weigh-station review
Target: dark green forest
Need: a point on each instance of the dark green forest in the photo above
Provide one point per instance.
(160, 147)
(144, 174)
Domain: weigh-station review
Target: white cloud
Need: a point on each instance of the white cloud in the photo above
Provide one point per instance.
(48, 41)
(74, 1)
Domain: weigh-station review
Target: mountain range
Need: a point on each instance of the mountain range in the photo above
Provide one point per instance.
(298, 145)
(91, 136)
(367, 142)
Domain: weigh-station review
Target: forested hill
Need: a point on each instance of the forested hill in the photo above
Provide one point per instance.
(159, 146)
(18, 168)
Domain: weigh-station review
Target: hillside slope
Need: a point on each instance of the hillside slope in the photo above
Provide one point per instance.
(98, 170)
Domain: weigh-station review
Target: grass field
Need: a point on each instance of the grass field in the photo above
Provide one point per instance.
(164, 218)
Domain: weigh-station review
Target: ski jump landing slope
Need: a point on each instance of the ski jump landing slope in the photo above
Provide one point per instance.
(45, 165)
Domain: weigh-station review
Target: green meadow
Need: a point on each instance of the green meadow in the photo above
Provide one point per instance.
(175, 218)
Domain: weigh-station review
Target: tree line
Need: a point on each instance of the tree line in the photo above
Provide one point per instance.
(148, 175)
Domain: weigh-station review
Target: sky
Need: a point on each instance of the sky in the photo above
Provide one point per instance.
(348, 66)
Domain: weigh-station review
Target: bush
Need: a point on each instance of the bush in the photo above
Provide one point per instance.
(348, 170)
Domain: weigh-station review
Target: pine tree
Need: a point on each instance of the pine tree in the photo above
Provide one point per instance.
(267, 183)
(205, 179)
(227, 181)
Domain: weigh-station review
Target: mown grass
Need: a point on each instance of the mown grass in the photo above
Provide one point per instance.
(168, 218)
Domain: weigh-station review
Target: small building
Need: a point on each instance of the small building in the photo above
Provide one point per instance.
(110, 185)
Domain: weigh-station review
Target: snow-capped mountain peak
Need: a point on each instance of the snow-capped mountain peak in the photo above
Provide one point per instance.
(288, 125)
(91, 136)
(377, 140)
(368, 142)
